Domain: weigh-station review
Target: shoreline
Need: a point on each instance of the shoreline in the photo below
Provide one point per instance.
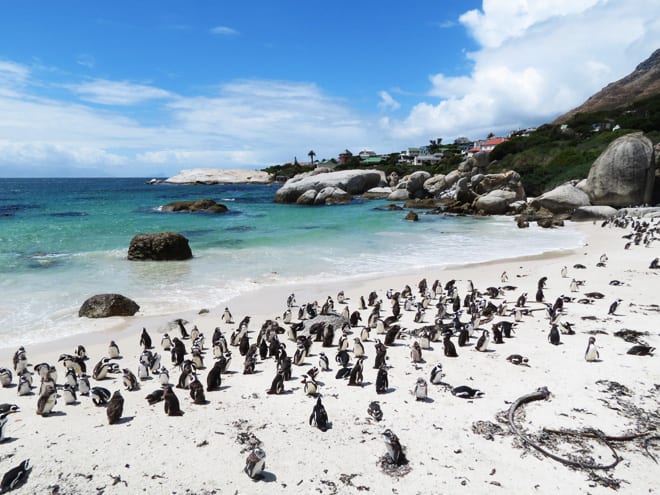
(120, 325)
(452, 444)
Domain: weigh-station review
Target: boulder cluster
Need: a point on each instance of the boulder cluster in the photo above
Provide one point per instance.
(624, 175)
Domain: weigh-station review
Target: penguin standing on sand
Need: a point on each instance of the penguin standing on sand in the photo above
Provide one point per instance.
(416, 353)
(113, 350)
(591, 354)
(436, 374)
(421, 389)
(145, 339)
(166, 342)
(130, 381)
(324, 362)
(83, 384)
(255, 463)
(47, 401)
(394, 448)
(554, 336)
(227, 317)
(319, 416)
(449, 347)
(172, 406)
(613, 307)
(382, 381)
(197, 392)
(484, 340)
(69, 394)
(277, 386)
(115, 408)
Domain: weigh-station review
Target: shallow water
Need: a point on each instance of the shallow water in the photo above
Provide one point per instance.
(63, 240)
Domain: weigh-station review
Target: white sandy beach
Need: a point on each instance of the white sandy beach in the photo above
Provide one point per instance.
(447, 440)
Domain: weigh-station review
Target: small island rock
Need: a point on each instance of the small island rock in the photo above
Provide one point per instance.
(160, 246)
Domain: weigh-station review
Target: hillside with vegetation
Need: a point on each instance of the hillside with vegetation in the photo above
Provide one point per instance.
(556, 153)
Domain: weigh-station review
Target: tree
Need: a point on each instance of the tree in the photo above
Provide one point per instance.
(311, 155)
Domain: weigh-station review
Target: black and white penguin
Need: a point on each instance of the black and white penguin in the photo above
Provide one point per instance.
(641, 350)
(324, 362)
(554, 336)
(3, 423)
(113, 350)
(381, 354)
(227, 317)
(197, 392)
(497, 335)
(130, 381)
(83, 384)
(465, 392)
(277, 385)
(166, 342)
(358, 347)
(172, 406)
(375, 411)
(416, 353)
(24, 385)
(449, 347)
(101, 370)
(591, 354)
(291, 300)
(145, 339)
(613, 307)
(115, 408)
(255, 464)
(100, 396)
(356, 376)
(517, 359)
(6, 377)
(382, 381)
(564, 271)
(319, 416)
(395, 453)
(342, 358)
(15, 476)
(436, 374)
(155, 396)
(20, 360)
(47, 401)
(484, 340)
(421, 389)
(309, 386)
(178, 352)
(71, 378)
(69, 394)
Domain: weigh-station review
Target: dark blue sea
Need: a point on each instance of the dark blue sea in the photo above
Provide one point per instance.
(63, 240)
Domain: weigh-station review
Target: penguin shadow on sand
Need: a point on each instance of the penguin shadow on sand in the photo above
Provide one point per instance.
(265, 477)
(124, 420)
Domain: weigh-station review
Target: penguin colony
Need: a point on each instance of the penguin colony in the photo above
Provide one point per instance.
(454, 320)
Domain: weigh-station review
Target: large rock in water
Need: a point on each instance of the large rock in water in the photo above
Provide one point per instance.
(495, 202)
(105, 305)
(199, 205)
(624, 174)
(350, 181)
(160, 246)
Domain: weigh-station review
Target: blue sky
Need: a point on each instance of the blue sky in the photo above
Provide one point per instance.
(149, 88)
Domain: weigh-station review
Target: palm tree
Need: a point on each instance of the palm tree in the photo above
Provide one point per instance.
(311, 155)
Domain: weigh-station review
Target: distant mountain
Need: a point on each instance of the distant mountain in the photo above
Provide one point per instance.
(642, 83)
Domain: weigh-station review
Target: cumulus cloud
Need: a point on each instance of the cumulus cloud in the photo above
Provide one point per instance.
(118, 92)
(536, 60)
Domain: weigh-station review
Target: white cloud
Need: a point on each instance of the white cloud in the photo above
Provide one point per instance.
(387, 102)
(118, 92)
(224, 31)
(537, 60)
(86, 60)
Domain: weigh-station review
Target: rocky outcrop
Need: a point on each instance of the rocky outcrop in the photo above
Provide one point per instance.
(200, 205)
(584, 213)
(412, 216)
(624, 174)
(351, 182)
(495, 202)
(220, 176)
(161, 246)
(562, 199)
(105, 305)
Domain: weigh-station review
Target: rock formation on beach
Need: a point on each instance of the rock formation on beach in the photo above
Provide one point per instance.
(220, 176)
(330, 187)
(160, 246)
(105, 305)
(199, 205)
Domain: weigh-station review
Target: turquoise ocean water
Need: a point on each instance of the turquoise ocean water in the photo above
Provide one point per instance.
(63, 240)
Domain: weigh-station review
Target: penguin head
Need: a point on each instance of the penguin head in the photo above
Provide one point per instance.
(259, 453)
